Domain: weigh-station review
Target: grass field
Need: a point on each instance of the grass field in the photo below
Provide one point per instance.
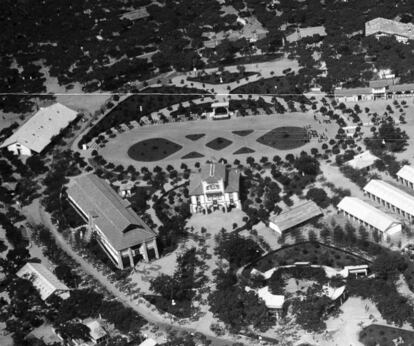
(219, 143)
(244, 150)
(153, 149)
(195, 137)
(193, 155)
(243, 133)
(383, 336)
(285, 138)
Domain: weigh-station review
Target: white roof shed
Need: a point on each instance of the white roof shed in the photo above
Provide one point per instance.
(406, 173)
(394, 196)
(363, 160)
(369, 214)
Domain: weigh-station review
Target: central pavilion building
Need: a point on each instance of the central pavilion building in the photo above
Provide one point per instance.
(214, 187)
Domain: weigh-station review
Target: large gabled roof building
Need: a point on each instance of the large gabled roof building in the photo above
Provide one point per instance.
(37, 133)
(121, 232)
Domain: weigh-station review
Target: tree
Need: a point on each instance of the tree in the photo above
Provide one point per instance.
(307, 165)
(64, 272)
(319, 196)
(237, 250)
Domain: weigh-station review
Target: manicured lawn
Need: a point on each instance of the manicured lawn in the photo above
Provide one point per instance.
(313, 252)
(195, 137)
(219, 143)
(153, 149)
(382, 335)
(243, 133)
(244, 150)
(285, 138)
(193, 155)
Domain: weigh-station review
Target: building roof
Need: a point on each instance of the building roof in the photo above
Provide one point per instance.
(37, 132)
(363, 160)
(136, 14)
(407, 173)
(391, 194)
(97, 331)
(367, 213)
(211, 173)
(382, 83)
(352, 92)
(43, 279)
(111, 214)
(296, 215)
(402, 87)
(306, 32)
(219, 104)
(272, 301)
(148, 342)
(389, 26)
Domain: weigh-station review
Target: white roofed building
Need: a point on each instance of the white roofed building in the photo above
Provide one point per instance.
(363, 161)
(214, 187)
(43, 280)
(294, 216)
(97, 334)
(382, 27)
(391, 197)
(369, 216)
(406, 176)
(37, 133)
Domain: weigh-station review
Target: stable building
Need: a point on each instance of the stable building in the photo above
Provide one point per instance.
(38, 132)
(214, 187)
(368, 216)
(406, 176)
(382, 27)
(391, 197)
(295, 216)
(45, 282)
(122, 234)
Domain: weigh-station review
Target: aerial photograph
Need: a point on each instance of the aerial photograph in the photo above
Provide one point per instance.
(206, 172)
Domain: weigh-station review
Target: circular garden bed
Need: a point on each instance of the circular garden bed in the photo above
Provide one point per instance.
(153, 149)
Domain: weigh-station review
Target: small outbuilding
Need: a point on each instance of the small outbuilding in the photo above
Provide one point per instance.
(364, 161)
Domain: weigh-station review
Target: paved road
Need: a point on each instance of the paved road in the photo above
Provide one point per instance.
(36, 214)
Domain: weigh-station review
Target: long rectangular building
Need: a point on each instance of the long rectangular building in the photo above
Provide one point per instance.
(294, 216)
(46, 283)
(121, 232)
(406, 176)
(369, 216)
(391, 197)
